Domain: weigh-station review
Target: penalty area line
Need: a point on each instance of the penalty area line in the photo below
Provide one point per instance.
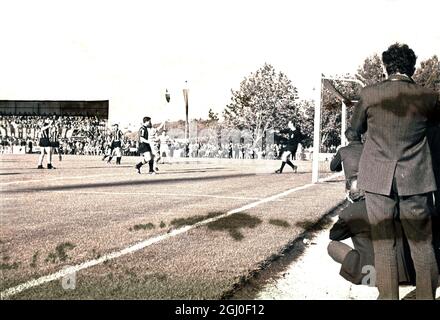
(146, 243)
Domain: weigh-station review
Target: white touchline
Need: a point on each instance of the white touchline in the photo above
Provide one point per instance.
(145, 243)
(183, 195)
(60, 178)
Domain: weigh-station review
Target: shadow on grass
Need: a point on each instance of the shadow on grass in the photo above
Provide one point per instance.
(60, 253)
(180, 222)
(9, 266)
(234, 223)
(271, 268)
(113, 184)
(34, 261)
(313, 225)
(146, 226)
(279, 223)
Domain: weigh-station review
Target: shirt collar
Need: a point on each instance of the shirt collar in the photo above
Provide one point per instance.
(400, 77)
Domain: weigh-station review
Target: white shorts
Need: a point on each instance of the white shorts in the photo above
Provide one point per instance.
(147, 156)
(117, 152)
(286, 156)
(165, 150)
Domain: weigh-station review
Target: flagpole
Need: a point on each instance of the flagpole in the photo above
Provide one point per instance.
(185, 97)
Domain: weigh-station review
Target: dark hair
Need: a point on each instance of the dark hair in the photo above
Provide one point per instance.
(399, 58)
(352, 135)
(145, 119)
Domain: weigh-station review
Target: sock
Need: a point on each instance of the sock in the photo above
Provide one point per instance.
(151, 163)
(40, 160)
(118, 160)
(109, 159)
(282, 166)
(290, 164)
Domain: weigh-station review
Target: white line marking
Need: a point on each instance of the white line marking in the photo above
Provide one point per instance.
(182, 195)
(60, 178)
(146, 243)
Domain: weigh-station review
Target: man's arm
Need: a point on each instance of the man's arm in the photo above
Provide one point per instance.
(44, 127)
(340, 231)
(336, 163)
(162, 125)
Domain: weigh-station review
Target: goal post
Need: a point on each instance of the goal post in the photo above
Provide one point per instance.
(323, 82)
(317, 94)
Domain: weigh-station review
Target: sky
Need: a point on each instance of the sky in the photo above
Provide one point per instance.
(129, 52)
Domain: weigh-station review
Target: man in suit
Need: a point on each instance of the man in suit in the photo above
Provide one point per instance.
(396, 170)
(434, 142)
(353, 223)
(349, 157)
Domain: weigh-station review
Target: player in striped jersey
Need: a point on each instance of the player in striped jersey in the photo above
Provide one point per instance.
(116, 144)
(54, 133)
(45, 144)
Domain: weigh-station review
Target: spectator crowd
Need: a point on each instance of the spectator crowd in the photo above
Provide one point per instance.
(85, 135)
(77, 134)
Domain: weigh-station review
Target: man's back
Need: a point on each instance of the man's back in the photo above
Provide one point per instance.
(397, 113)
(349, 156)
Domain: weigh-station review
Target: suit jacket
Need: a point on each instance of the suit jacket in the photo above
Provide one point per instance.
(397, 113)
(349, 156)
(434, 142)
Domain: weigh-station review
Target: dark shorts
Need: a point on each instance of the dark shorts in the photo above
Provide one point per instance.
(44, 142)
(55, 144)
(116, 144)
(144, 147)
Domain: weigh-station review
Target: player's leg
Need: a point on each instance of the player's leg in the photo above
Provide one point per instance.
(294, 168)
(106, 154)
(49, 158)
(110, 157)
(151, 164)
(284, 159)
(41, 157)
(145, 158)
(118, 153)
(158, 156)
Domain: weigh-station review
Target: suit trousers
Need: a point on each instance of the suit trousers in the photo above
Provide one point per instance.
(414, 213)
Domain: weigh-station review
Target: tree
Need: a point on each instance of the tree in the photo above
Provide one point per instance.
(331, 111)
(266, 99)
(307, 107)
(371, 71)
(212, 116)
(428, 74)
